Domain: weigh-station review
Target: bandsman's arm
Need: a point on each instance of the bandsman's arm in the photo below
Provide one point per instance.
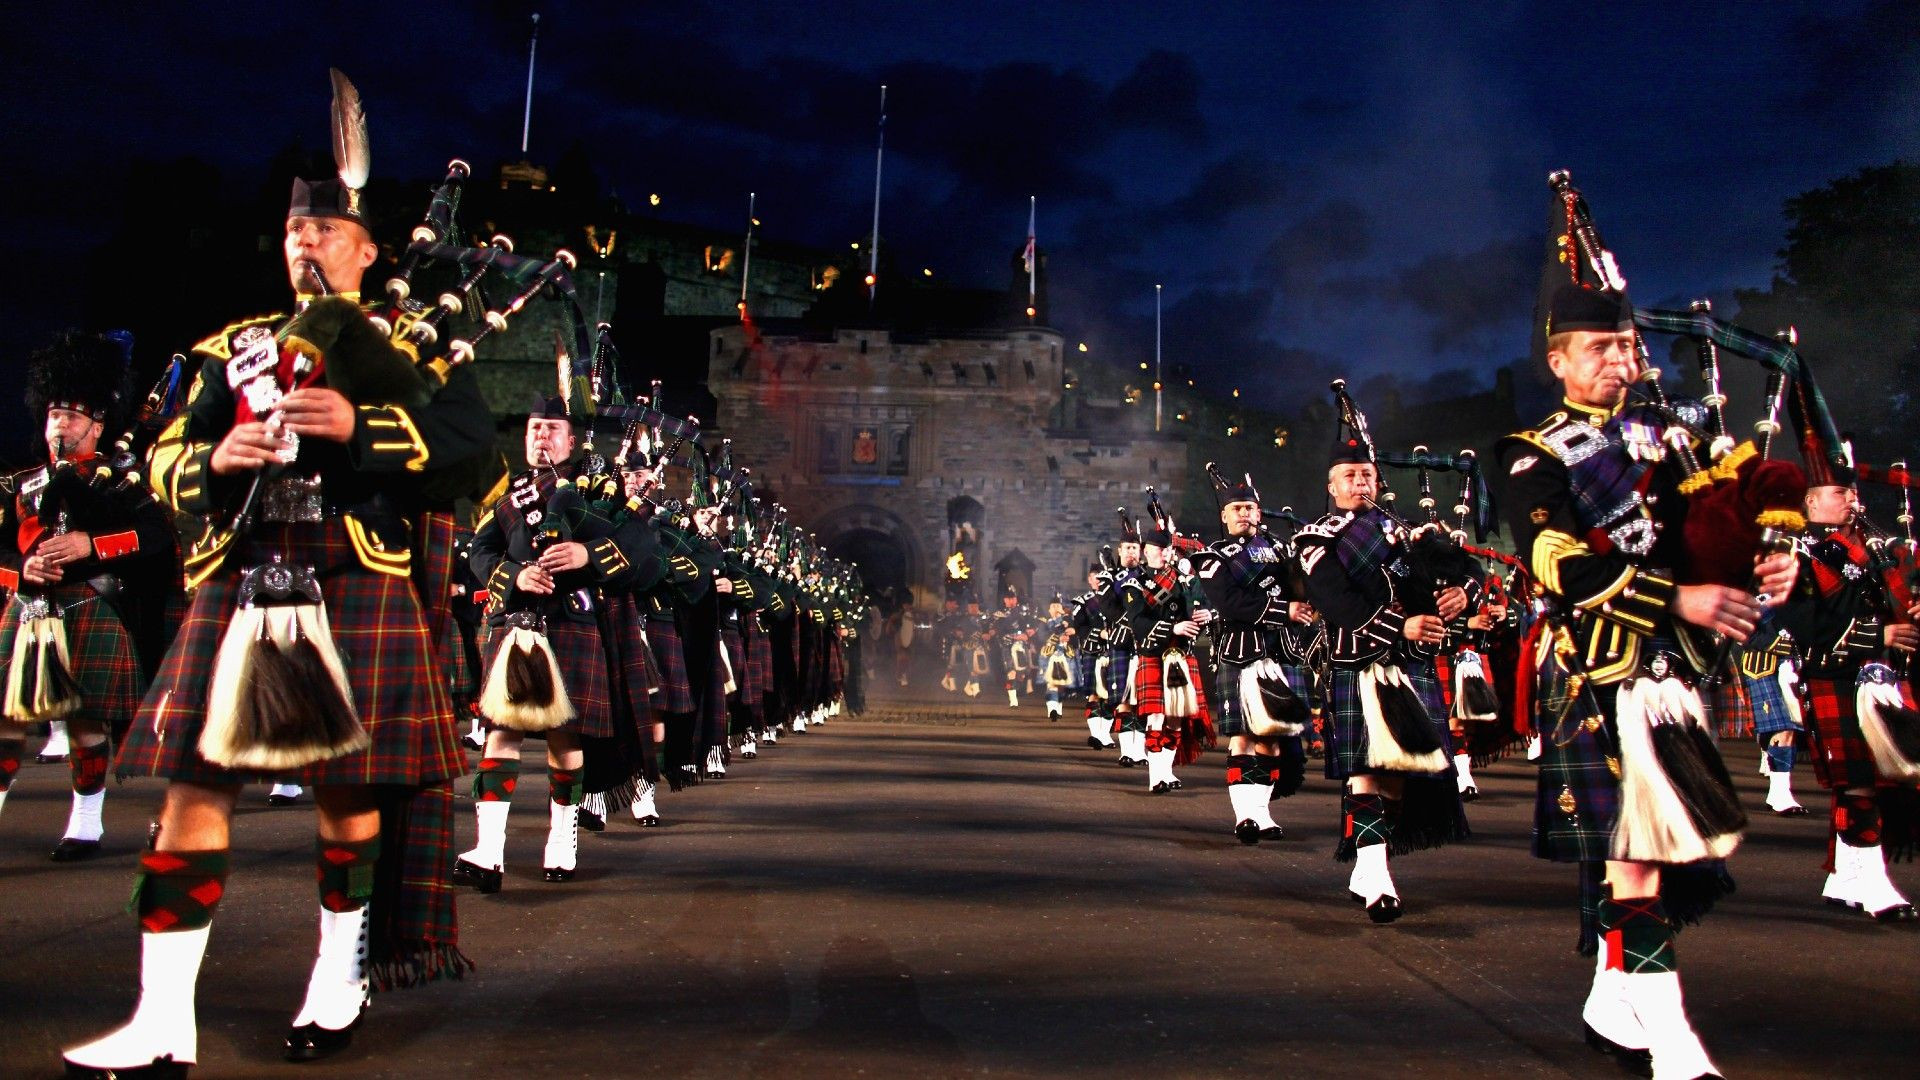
(490, 564)
(455, 425)
(179, 467)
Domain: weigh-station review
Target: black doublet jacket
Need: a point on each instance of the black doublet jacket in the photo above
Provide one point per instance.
(134, 562)
(1245, 582)
(514, 532)
(1582, 549)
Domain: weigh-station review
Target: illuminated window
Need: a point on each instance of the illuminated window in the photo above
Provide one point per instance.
(719, 259)
(824, 278)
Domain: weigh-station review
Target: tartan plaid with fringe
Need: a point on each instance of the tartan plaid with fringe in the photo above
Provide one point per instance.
(415, 936)
(1841, 757)
(1346, 729)
(583, 672)
(627, 625)
(101, 655)
(670, 660)
(382, 638)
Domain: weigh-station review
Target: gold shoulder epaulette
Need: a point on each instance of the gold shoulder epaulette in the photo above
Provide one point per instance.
(220, 345)
(1537, 434)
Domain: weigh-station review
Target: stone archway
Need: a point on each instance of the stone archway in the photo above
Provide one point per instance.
(877, 541)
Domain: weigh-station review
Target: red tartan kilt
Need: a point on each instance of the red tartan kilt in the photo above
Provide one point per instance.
(100, 655)
(380, 631)
(433, 535)
(1732, 708)
(583, 672)
(1149, 684)
(1841, 758)
(629, 625)
(670, 658)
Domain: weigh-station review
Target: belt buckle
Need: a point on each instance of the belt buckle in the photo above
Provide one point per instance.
(292, 500)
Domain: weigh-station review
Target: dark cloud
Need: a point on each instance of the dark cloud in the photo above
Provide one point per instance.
(1336, 232)
(1242, 181)
(1859, 60)
(1478, 297)
(1162, 93)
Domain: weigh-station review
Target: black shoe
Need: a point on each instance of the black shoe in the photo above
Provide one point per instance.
(1792, 811)
(749, 754)
(49, 759)
(478, 877)
(1470, 794)
(557, 873)
(159, 1069)
(1273, 832)
(281, 800)
(1174, 784)
(311, 1042)
(592, 822)
(651, 821)
(474, 743)
(1896, 913)
(1247, 832)
(1127, 762)
(71, 850)
(1637, 1062)
(1162, 788)
(1384, 910)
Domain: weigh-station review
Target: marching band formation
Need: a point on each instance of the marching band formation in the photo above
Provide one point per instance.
(265, 578)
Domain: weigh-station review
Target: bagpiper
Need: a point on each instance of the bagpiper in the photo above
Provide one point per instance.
(306, 653)
(1164, 611)
(1843, 616)
(547, 551)
(1386, 621)
(1594, 500)
(92, 566)
(1262, 646)
(1087, 629)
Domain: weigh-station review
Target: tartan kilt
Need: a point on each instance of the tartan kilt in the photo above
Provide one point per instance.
(759, 665)
(1228, 717)
(381, 634)
(1149, 684)
(1346, 729)
(1577, 800)
(670, 659)
(583, 672)
(1841, 757)
(100, 654)
(1732, 708)
(628, 625)
(736, 648)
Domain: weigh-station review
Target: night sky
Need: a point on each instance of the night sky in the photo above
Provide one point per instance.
(1323, 188)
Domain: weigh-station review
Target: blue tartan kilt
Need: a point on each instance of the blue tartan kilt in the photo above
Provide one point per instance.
(1229, 718)
(1083, 664)
(1347, 722)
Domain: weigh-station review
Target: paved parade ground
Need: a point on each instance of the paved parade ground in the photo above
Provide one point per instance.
(938, 890)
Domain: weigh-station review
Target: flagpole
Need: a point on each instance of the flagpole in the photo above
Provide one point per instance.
(1156, 358)
(746, 257)
(879, 155)
(526, 117)
(1033, 261)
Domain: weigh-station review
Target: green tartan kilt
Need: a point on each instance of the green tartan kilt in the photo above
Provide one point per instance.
(100, 651)
(1577, 801)
(380, 631)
